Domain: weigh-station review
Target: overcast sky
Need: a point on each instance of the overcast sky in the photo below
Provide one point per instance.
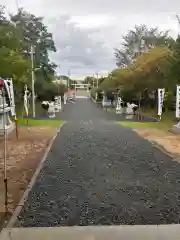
(87, 31)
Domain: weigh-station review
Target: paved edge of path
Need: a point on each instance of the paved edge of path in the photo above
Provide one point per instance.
(153, 232)
(24, 197)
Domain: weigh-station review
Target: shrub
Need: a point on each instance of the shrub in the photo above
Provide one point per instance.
(99, 94)
(93, 93)
(48, 90)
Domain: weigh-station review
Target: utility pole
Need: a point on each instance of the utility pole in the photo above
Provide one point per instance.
(97, 84)
(33, 77)
(93, 80)
(17, 5)
(69, 72)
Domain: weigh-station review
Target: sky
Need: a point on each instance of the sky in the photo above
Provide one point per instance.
(87, 31)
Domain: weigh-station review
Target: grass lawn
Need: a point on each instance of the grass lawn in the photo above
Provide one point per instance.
(93, 100)
(35, 122)
(23, 122)
(168, 119)
(167, 116)
(135, 125)
(109, 109)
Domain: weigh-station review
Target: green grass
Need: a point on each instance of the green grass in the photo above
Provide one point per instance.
(111, 109)
(35, 122)
(93, 100)
(166, 116)
(167, 121)
(134, 125)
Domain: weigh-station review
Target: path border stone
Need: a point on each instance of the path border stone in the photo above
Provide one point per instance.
(24, 197)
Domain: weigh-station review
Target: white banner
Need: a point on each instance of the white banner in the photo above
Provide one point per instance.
(161, 93)
(9, 87)
(178, 101)
(26, 100)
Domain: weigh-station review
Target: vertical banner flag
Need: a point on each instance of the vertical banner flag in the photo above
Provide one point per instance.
(26, 99)
(178, 101)
(161, 93)
(9, 87)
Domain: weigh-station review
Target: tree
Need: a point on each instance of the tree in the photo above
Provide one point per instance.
(13, 63)
(35, 34)
(140, 40)
(175, 61)
(150, 71)
(122, 58)
(16, 37)
(90, 80)
(152, 67)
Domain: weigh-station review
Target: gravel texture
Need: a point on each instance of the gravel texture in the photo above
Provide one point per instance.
(99, 173)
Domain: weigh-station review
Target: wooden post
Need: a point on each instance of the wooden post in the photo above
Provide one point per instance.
(139, 115)
(17, 130)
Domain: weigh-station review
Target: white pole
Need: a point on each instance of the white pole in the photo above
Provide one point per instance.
(17, 5)
(97, 80)
(68, 79)
(32, 71)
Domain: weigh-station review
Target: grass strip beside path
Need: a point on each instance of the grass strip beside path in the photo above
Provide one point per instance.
(35, 122)
(158, 125)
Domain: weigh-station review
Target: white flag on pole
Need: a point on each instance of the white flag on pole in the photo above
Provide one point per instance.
(161, 93)
(178, 101)
(10, 91)
(26, 100)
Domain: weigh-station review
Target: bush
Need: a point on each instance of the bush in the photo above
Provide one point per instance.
(110, 95)
(93, 93)
(128, 94)
(48, 90)
(99, 94)
(62, 89)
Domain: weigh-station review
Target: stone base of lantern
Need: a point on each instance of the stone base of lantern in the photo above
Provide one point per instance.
(119, 110)
(51, 111)
(9, 126)
(176, 128)
(57, 108)
(129, 116)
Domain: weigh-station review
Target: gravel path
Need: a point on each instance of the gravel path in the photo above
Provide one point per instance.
(101, 173)
(84, 110)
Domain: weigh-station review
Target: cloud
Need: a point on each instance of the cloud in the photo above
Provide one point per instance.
(86, 32)
(116, 7)
(79, 49)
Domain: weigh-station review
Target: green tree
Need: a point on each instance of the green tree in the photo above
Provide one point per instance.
(90, 80)
(35, 34)
(13, 63)
(17, 35)
(140, 40)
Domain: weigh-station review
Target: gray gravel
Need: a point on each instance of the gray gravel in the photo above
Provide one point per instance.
(101, 173)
